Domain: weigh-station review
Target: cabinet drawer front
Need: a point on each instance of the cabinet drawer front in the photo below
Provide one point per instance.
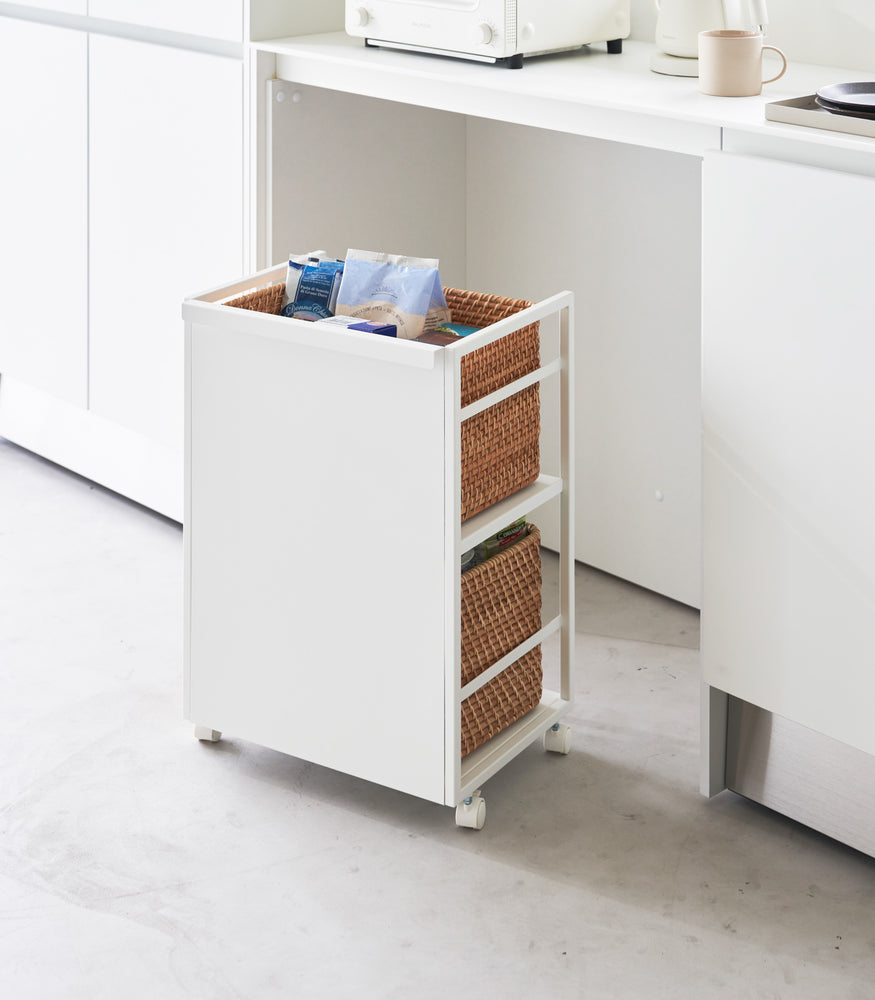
(212, 18)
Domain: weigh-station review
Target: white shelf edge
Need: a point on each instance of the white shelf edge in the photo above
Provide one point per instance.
(515, 654)
(492, 756)
(511, 389)
(587, 92)
(505, 512)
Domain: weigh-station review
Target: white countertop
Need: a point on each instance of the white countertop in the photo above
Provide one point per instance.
(586, 92)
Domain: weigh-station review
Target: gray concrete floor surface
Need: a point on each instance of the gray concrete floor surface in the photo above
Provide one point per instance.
(137, 862)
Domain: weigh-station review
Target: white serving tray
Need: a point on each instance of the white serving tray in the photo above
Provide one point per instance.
(806, 111)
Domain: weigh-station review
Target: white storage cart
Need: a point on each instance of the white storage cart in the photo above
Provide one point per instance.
(323, 537)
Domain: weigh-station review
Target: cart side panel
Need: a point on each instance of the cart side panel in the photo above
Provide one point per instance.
(316, 554)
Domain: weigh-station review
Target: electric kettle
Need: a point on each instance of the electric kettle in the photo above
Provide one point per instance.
(679, 22)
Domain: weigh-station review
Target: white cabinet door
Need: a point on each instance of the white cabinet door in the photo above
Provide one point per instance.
(166, 196)
(789, 411)
(213, 18)
(43, 198)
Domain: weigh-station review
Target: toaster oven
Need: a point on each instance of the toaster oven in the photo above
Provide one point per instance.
(496, 31)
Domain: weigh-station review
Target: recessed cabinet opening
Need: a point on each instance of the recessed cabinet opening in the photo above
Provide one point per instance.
(520, 211)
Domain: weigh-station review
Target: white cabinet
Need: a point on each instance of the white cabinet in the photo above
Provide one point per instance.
(43, 194)
(789, 425)
(213, 18)
(123, 188)
(166, 198)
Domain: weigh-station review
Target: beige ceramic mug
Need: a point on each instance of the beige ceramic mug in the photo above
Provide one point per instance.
(731, 63)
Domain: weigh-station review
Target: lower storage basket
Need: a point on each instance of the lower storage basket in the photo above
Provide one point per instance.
(501, 607)
(500, 446)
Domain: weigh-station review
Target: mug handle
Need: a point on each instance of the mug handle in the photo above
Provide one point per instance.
(783, 59)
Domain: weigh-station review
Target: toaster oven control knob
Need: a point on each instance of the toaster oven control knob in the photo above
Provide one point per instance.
(483, 33)
(361, 16)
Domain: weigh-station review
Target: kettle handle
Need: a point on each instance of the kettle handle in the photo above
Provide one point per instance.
(745, 14)
(759, 13)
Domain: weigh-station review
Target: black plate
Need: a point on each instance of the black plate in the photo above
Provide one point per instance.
(850, 96)
(838, 109)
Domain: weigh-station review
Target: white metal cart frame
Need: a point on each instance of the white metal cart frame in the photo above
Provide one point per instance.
(323, 544)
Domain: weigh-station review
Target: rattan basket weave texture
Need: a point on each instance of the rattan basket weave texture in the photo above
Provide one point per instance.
(266, 300)
(500, 446)
(501, 606)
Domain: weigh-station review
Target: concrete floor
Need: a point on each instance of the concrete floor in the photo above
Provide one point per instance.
(136, 862)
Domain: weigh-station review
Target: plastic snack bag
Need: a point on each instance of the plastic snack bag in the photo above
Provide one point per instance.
(389, 288)
(494, 544)
(312, 284)
(457, 329)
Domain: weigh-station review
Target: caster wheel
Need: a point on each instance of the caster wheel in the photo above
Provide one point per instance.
(471, 813)
(207, 735)
(558, 739)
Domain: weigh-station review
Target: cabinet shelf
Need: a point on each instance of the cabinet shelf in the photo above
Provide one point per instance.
(481, 526)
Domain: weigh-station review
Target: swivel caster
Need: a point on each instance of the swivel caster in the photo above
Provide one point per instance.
(557, 739)
(471, 812)
(207, 735)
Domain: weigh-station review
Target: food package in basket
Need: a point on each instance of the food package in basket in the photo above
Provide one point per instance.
(312, 284)
(392, 288)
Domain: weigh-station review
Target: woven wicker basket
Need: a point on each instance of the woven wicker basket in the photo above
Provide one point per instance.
(500, 446)
(501, 606)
